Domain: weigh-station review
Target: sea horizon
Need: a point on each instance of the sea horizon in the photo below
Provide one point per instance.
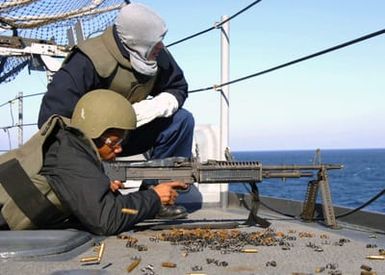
(360, 179)
(322, 149)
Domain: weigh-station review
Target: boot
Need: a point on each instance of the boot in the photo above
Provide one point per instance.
(171, 212)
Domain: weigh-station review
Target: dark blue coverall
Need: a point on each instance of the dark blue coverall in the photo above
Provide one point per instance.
(164, 137)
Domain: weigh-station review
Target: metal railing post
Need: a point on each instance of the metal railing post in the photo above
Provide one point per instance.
(224, 110)
(20, 120)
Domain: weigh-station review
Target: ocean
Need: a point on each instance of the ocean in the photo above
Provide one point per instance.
(362, 177)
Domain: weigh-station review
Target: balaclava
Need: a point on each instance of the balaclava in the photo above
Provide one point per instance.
(140, 29)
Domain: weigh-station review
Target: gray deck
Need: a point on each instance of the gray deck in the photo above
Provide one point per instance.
(347, 258)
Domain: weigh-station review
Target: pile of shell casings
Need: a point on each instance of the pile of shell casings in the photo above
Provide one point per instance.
(226, 241)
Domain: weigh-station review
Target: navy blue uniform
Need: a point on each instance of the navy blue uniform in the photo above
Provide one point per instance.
(78, 76)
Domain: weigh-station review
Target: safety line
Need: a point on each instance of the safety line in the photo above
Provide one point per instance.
(216, 26)
(17, 125)
(351, 42)
(370, 201)
(378, 195)
(20, 97)
(30, 95)
(8, 102)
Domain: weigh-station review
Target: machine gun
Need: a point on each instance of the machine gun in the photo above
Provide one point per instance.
(215, 171)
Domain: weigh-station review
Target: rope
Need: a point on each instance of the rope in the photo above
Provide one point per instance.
(13, 125)
(10, 110)
(8, 102)
(44, 20)
(374, 198)
(10, 4)
(30, 95)
(5, 128)
(216, 26)
(275, 210)
(26, 124)
(340, 46)
(20, 97)
(9, 138)
(362, 206)
(264, 204)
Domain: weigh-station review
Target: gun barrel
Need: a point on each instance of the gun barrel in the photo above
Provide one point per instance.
(286, 174)
(302, 167)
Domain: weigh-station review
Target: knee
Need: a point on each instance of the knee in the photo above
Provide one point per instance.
(185, 118)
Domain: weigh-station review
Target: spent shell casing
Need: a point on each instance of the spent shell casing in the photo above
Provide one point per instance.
(89, 259)
(96, 259)
(134, 264)
(169, 264)
(249, 250)
(368, 272)
(101, 251)
(375, 257)
(129, 211)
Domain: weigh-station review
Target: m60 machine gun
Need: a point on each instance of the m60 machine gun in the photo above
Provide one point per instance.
(215, 171)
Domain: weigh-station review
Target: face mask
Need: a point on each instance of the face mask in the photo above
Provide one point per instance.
(139, 30)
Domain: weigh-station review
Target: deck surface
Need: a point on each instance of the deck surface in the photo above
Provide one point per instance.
(300, 258)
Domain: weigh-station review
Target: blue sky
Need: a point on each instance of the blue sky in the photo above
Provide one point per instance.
(333, 101)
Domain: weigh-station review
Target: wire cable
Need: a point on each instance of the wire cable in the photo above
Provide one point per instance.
(381, 193)
(374, 198)
(30, 95)
(25, 124)
(8, 102)
(216, 26)
(277, 211)
(17, 125)
(264, 204)
(9, 139)
(6, 130)
(10, 110)
(20, 97)
(337, 47)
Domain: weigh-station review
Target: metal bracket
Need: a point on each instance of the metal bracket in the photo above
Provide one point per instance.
(253, 219)
(321, 183)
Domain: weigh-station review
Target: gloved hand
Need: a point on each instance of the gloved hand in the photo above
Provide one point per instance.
(162, 105)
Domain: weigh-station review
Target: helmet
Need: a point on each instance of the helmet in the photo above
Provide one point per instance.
(101, 109)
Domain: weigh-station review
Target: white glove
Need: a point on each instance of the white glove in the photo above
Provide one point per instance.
(162, 105)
